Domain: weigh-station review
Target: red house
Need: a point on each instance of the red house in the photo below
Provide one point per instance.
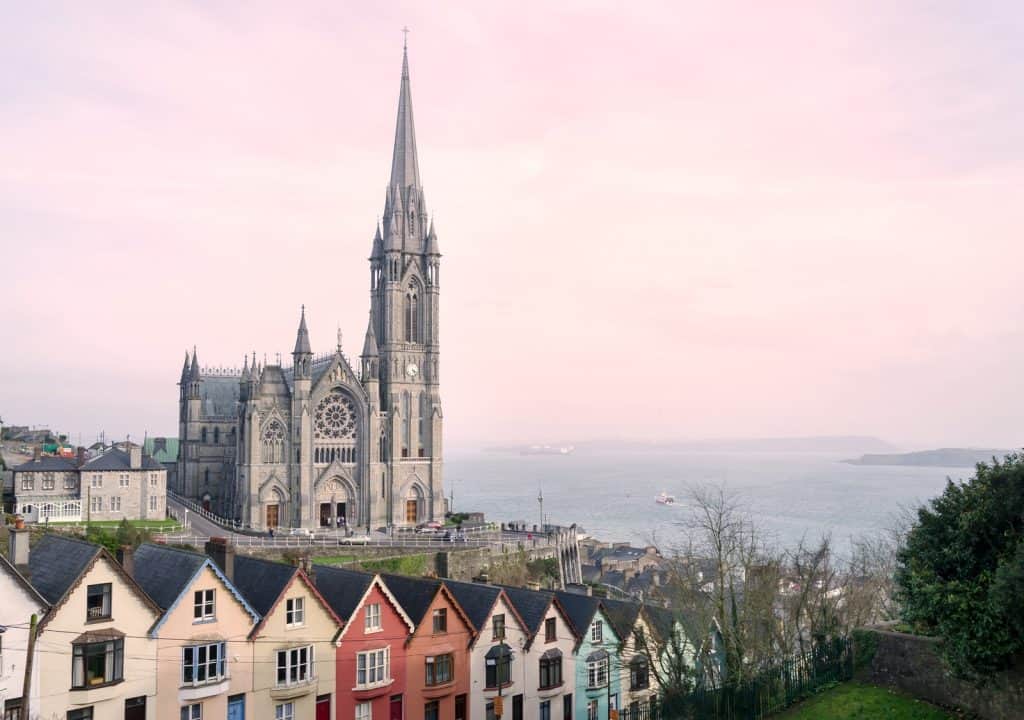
(371, 661)
(437, 653)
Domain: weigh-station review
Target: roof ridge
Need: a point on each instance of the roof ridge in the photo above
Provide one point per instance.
(71, 538)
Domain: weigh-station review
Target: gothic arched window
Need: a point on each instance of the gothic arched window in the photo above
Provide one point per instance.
(412, 315)
(421, 430)
(273, 442)
(216, 435)
(204, 434)
(406, 424)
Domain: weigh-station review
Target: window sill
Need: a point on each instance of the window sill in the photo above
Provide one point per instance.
(373, 631)
(98, 686)
(433, 692)
(198, 691)
(368, 692)
(293, 690)
(96, 620)
(494, 688)
(204, 621)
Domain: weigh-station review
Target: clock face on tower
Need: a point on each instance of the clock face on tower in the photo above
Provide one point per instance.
(411, 370)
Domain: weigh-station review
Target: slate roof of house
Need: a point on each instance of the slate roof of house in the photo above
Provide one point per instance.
(161, 449)
(342, 589)
(19, 579)
(56, 562)
(413, 594)
(119, 460)
(163, 572)
(532, 605)
(622, 615)
(261, 582)
(476, 599)
(579, 608)
(47, 463)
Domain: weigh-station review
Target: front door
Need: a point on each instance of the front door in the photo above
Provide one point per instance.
(517, 707)
(396, 708)
(323, 707)
(236, 707)
(272, 516)
(411, 514)
(325, 514)
(342, 520)
(135, 708)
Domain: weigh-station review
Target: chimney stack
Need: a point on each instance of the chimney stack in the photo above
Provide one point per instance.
(126, 556)
(308, 569)
(134, 456)
(223, 554)
(17, 546)
(35, 454)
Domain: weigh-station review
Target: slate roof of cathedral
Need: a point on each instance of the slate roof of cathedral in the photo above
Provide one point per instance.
(220, 395)
(414, 594)
(261, 582)
(163, 572)
(56, 562)
(342, 589)
(47, 463)
(476, 599)
(119, 460)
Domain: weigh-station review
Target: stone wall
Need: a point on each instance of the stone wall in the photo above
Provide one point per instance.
(912, 663)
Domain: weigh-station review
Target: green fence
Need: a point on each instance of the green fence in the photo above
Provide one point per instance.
(771, 690)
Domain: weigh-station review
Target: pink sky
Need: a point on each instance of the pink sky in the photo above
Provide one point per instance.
(658, 220)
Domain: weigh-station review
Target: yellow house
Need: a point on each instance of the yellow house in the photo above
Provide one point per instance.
(94, 654)
(204, 656)
(294, 644)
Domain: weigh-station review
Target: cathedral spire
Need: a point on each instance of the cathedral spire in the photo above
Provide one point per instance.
(405, 169)
(370, 343)
(302, 338)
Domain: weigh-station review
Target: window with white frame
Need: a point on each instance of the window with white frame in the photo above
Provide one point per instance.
(115, 503)
(294, 666)
(591, 709)
(96, 503)
(284, 711)
(69, 481)
(124, 480)
(597, 632)
(202, 664)
(28, 482)
(152, 479)
(154, 502)
(192, 712)
(373, 617)
(204, 605)
(364, 711)
(373, 667)
(597, 670)
(295, 612)
(96, 481)
(48, 481)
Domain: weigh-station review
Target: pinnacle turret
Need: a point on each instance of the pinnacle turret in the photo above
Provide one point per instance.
(194, 371)
(184, 369)
(378, 246)
(302, 345)
(432, 248)
(370, 342)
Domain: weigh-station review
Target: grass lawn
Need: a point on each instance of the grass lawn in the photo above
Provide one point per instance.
(853, 701)
(334, 559)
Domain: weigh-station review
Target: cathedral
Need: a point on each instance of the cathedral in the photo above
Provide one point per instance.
(321, 442)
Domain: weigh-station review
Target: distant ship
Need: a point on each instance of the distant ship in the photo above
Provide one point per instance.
(665, 499)
(547, 450)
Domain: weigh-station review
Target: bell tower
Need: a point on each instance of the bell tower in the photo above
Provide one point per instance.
(404, 302)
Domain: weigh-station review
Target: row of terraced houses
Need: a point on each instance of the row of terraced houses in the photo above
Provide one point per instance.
(161, 633)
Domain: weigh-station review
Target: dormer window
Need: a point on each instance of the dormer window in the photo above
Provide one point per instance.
(498, 627)
(204, 606)
(372, 621)
(597, 632)
(295, 612)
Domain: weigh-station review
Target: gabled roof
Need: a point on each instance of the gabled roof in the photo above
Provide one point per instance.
(581, 610)
(119, 460)
(165, 573)
(414, 594)
(622, 614)
(47, 463)
(56, 563)
(342, 589)
(532, 606)
(19, 579)
(261, 582)
(476, 599)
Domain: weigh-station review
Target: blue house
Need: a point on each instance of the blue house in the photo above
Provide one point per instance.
(597, 661)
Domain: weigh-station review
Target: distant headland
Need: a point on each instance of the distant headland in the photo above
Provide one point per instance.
(814, 444)
(943, 457)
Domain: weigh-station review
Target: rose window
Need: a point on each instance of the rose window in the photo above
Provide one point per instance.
(336, 417)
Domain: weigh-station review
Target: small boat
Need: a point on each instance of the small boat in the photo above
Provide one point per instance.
(665, 499)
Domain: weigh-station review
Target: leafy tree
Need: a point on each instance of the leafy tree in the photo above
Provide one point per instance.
(961, 573)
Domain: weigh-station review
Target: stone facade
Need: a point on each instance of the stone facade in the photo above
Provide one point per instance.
(322, 442)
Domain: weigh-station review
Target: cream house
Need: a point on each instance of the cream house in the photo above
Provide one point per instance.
(295, 642)
(204, 656)
(95, 658)
(637, 647)
(20, 602)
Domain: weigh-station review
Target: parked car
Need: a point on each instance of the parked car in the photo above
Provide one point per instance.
(354, 540)
(430, 527)
(301, 531)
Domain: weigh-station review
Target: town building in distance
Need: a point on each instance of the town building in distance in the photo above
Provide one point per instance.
(322, 442)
